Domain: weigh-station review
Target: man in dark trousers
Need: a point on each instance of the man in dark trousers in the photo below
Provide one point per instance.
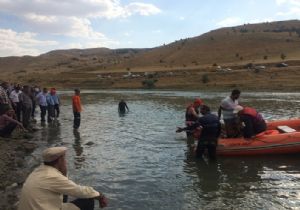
(210, 132)
(76, 103)
(122, 107)
(46, 185)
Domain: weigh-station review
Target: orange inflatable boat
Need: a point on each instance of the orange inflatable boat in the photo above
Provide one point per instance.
(281, 137)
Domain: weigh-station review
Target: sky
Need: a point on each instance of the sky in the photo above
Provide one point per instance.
(34, 27)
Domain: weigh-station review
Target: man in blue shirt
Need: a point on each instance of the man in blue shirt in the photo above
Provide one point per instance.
(42, 100)
(56, 102)
(50, 104)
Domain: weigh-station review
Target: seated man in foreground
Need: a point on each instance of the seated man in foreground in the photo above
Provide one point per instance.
(46, 185)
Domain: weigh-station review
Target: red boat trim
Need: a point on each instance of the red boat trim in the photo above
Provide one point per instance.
(258, 147)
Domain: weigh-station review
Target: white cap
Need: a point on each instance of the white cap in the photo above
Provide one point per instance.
(237, 109)
(53, 153)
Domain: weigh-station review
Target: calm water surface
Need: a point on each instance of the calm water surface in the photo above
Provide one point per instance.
(139, 161)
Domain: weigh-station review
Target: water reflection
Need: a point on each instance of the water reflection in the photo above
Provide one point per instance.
(78, 148)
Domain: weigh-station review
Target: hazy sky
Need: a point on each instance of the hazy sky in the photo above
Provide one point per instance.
(32, 27)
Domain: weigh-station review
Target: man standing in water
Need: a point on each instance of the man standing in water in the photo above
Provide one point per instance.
(210, 132)
(76, 108)
(230, 119)
(192, 114)
(122, 107)
(46, 185)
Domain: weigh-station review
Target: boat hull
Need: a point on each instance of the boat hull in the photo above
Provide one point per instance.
(264, 144)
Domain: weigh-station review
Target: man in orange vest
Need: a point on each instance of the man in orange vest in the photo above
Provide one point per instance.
(192, 114)
(253, 121)
(76, 108)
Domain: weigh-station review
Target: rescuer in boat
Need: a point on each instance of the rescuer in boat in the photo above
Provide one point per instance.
(192, 114)
(252, 121)
(230, 119)
(210, 132)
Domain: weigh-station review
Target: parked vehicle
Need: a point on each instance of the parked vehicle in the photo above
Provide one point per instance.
(282, 65)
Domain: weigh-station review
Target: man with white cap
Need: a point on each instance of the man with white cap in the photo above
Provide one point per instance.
(46, 185)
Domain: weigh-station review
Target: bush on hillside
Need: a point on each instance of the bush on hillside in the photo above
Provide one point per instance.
(205, 78)
(149, 83)
(282, 56)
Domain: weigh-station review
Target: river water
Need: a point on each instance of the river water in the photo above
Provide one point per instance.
(139, 161)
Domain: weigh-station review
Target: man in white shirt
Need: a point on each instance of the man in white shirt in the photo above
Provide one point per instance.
(230, 119)
(14, 97)
(46, 185)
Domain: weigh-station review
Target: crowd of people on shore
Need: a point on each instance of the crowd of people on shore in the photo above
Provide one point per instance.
(48, 186)
(239, 121)
(18, 106)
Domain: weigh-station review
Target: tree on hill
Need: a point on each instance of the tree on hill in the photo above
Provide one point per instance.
(282, 56)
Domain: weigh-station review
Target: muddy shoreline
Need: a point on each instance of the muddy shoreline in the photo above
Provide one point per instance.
(16, 163)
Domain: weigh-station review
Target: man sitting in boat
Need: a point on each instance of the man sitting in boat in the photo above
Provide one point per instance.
(192, 114)
(253, 122)
(210, 132)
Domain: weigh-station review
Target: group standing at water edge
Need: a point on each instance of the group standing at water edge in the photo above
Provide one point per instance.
(18, 104)
(48, 184)
(238, 121)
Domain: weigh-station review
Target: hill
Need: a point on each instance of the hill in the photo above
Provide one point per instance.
(262, 44)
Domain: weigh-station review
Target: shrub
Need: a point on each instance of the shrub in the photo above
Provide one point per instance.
(282, 56)
(265, 57)
(149, 83)
(205, 78)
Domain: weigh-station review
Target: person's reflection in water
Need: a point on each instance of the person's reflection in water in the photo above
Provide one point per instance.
(78, 149)
(207, 171)
(53, 132)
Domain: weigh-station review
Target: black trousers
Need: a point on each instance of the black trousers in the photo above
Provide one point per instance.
(77, 119)
(84, 203)
(50, 115)
(33, 109)
(7, 130)
(43, 113)
(210, 145)
(56, 110)
(18, 109)
(26, 113)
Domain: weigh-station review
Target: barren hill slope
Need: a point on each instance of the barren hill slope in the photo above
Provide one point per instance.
(265, 42)
(194, 60)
